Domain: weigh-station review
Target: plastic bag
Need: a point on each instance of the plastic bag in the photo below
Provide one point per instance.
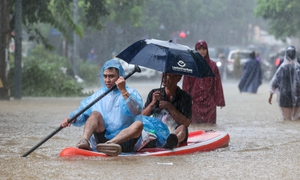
(157, 127)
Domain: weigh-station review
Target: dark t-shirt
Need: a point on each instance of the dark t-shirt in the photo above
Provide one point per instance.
(182, 101)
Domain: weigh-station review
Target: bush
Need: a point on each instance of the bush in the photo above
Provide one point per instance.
(90, 73)
(42, 75)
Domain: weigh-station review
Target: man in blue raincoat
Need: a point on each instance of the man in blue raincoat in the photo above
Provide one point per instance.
(252, 75)
(114, 123)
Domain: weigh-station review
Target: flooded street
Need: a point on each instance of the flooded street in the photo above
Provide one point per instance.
(262, 146)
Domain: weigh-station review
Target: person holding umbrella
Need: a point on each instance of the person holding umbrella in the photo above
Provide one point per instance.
(172, 106)
(114, 123)
(207, 92)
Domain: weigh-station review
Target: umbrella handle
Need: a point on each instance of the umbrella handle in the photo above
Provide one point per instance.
(156, 108)
(72, 119)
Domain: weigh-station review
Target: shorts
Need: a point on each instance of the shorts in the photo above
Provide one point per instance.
(127, 146)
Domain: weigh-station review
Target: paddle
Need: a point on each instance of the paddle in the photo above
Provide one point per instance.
(72, 119)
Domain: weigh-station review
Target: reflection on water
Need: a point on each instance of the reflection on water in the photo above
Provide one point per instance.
(261, 147)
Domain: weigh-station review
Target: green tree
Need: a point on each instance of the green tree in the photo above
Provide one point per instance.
(58, 14)
(122, 27)
(283, 16)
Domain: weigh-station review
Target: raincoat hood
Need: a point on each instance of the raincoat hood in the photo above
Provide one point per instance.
(113, 63)
(252, 55)
(202, 43)
(290, 53)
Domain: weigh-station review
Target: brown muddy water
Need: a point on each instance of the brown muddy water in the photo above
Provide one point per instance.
(262, 146)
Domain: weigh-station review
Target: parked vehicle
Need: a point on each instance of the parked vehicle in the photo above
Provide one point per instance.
(214, 55)
(267, 70)
(145, 72)
(243, 55)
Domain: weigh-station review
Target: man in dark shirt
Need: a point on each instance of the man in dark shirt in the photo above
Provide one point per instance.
(173, 106)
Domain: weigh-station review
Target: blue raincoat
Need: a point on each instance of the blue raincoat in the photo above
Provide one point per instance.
(252, 76)
(117, 113)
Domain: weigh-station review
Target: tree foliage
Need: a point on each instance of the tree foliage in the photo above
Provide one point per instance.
(283, 16)
(109, 26)
(59, 14)
(42, 76)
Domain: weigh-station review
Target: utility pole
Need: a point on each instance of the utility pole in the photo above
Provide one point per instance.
(75, 54)
(18, 51)
(4, 38)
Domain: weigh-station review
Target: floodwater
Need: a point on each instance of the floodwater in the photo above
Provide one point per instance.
(262, 146)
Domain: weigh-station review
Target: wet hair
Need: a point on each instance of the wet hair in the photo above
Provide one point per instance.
(290, 53)
(111, 68)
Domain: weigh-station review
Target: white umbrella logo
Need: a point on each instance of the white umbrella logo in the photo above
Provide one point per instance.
(181, 63)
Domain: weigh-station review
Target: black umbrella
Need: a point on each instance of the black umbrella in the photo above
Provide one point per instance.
(167, 57)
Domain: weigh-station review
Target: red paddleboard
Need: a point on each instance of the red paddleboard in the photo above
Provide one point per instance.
(198, 141)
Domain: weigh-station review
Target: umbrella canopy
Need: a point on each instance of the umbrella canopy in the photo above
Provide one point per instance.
(167, 57)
